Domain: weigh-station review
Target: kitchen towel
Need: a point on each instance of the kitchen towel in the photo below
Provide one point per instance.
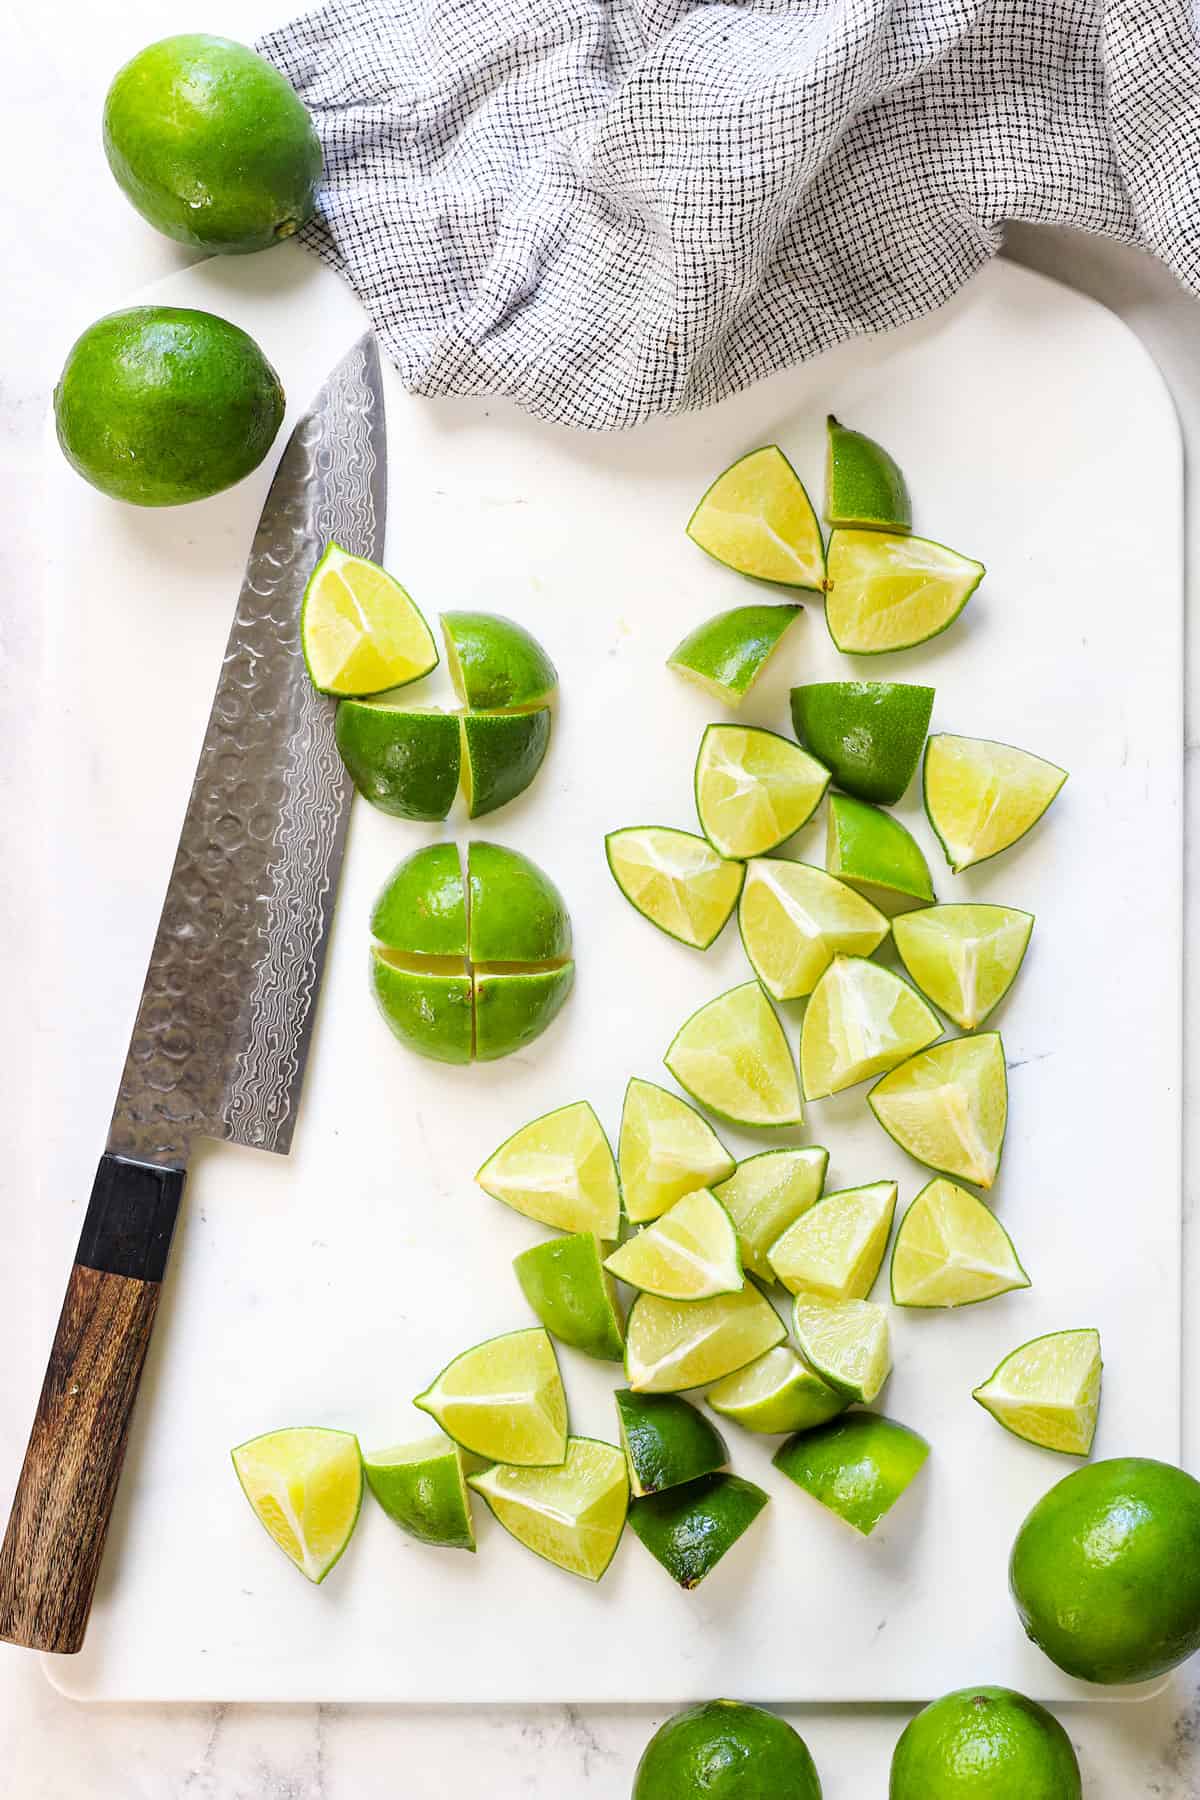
(612, 208)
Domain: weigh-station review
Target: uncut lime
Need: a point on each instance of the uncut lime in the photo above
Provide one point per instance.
(948, 1107)
(981, 797)
(503, 1399)
(404, 760)
(689, 1529)
(666, 1441)
(860, 1020)
(494, 663)
(863, 484)
(756, 518)
(1048, 1391)
(887, 592)
(360, 631)
(964, 958)
(728, 653)
(676, 880)
(502, 753)
(876, 855)
(665, 1150)
(754, 789)
(869, 734)
(423, 1488)
(723, 1750)
(795, 919)
(732, 1056)
(776, 1393)
(951, 1250)
(689, 1253)
(568, 1288)
(572, 1515)
(305, 1485)
(857, 1465)
(560, 1170)
(836, 1248)
(847, 1342)
(672, 1345)
(765, 1194)
(984, 1743)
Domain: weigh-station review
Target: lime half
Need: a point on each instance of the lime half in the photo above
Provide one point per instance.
(964, 958)
(676, 880)
(951, 1250)
(858, 1466)
(689, 1253)
(503, 1399)
(727, 654)
(360, 632)
(733, 1057)
(560, 1170)
(863, 484)
(672, 1345)
(836, 1248)
(572, 1515)
(795, 919)
(754, 789)
(888, 592)
(877, 855)
(568, 1288)
(847, 1342)
(756, 518)
(981, 796)
(777, 1393)
(666, 1150)
(305, 1485)
(495, 664)
(869, 734)
(765, 1194)
(423, 1488)
(689, 1529)
(860, 1020)
(1048, 1391)
(667, 1442)
(948, 1107)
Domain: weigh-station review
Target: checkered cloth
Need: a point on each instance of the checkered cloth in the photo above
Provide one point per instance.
(611, 208)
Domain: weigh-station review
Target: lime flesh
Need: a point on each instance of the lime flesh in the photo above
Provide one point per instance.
(404, 761)
(572, 1515)
(667, 1441)
(777, 1393)
(981, 797)
(305, 1485)
(964, 958)
(560, 1170)
(665, 1150)
(733, 1057)
(888, 592)
(360, 631)
(795, 919)
(984, 1743)
(756, 518)
(1048, 1391)
(495, 664)
(566, 1284)
(765, 1194)
(503, 1399)
(951, 1250)
(858, 1465)
(861, 1020)
(869, 734)
(876, 855)
(673, 1345)
(754, 789)
(689, 1253)
(948, 1107)
(676, 880)
(863, 484)
(724, 1750)
(689, 1529)
(847, 1342)
(423, 1488)
(727, 654)
(836, 1248)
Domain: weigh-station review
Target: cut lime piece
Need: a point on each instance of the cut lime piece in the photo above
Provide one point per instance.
(732, 1056)
(428, 1003)
(777, 1393)
(756, 518)
(666, 1150)
(1048, 1391)
(305, 1485)
(863, 484)
(423, 1488)
(948, 1107)
(888, 592)
(795, 919)
(513, 1007)
(876, 855)
(359, 630)
(560, 1170)
(676, 880)
(502, 752)
(964, 958)
(403, 760)
(495, 664)
(572, 1515)
(754, 789)
(672, 1345)
(666, 1441)
(689, 1253)
(689, 1529)
(727, 654)
(847, 1342)
(860, 1020)
(423, 908)
(981, 797)
(836, 1248)
(503, 1399)
(951, 1250)
(765, 1194)
(566, 1284)
(516, 914)
(869, 734)
(858, 1466)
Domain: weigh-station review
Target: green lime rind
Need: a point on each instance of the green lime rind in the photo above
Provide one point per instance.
(864, 485)
(962, 856)
(423, 1488)
(857, 1465)
(502, 753)
(429, 1009)
(572, 1515)
(672, 1346)
(689, 1529)
(711, 1749)
(727, 653)
(754, 812)
(1023, 1749)
(667, 1441)
(422, 908)
(757, 518)
(869, 734)
(766, 1193)
(560, 1170)
(698, 926)
(776, 1394)
(950, 966)
(275, 1470)
(495, 664)
(872, 852)
(906, 1101)
(406, 762)
(513, 1009)
(942, 1217)
(918, 566)
(733, 1057)
(515, 912)
(1033, 1404)
(503, 1399)
(573, 1295)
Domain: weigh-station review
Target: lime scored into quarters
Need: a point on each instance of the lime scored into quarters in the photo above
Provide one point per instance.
(305, 1485)
(860, 1020)
(837, 1247)
(964, 957)
(888, 592)
(495, 664)
(502, 753)
(876, 855)
(777, 1393)
(795, 919)
(667, 1441)
(404, 760)
(948, 1107)
(503, 1399)
(951, 1250)
(665, 1150)
(560, 1170)
(572, 1515)
(757, 518)
(689, 1529)
(981, 796)
(676, 880)
(869, 734)
(754, 788)
(422, 1487)
(863, 484)
(571, 1292)
(728, 653)
(360, 632)
(732, 1056)
(1048, 1391)
(689, 1253)
(673, 1345)
(857, 1465)
(765, 1194)
(847, 1342)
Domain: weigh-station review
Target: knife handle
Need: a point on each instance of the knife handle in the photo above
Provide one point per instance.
(50, 1557)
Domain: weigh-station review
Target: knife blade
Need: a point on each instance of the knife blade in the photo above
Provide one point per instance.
(222, 1031)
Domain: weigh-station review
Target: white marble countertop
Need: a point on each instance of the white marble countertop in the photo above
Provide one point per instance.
(74, 248)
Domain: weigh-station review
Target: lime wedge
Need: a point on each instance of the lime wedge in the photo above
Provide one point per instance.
(359, 630)
(689, 1253)
(846, 1341)
(858, 1466)
(422, 909)
(666, 1150)
(667, 1442)
(765, 1194)
(888, 592)
(502, 752)
(1048, 1391)
(671, 1345)
(732, 1057)
(948, 1107)
(727, 654)
(964, 958)
(676, 880)
(869, 734)
(951, 1250)
(495, 664)
(572, 1515)
(836, 1247)
(863, 484)
(427, 1002)
(754, 789)
(559, 1170)
(565, 1283)
(423, 1488)
(795, 919)
(403, 760)
(876, 855)
(860, 1020)
(689, 1529)
(756, 518)
(503, 1399)
(775, 1394)
(980, 796)
(305, 1485)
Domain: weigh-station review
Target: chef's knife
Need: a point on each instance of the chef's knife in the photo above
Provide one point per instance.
(222, 1031)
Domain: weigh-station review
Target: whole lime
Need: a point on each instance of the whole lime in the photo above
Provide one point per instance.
(984, 1743)
(724, 1750)
(211, 144)
(158, 405)
(1105, 1570)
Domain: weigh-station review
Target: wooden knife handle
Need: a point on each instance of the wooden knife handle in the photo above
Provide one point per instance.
(50, 1557)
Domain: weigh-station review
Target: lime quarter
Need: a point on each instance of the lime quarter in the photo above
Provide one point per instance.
(360, 631)
(724, 1750)
(765, 1194)
(422, 909)
(777, 1393)
(948, 1107)
(981, 796)
(858, 1465)
(877, 855)
(888, 592)
(861, 1020)
(756, 518)
(689, 1253)
(665, 1150)
(305, 1485)
(667, 1441)
(727, 654)
(795, 919)
(847, 1342)
(516, 913)
(1048, 1391)
(566, 1284)
(964, 958)
(689, 1529)
(673, 1345)
(676, 880)
(863, 484)
(572, 1515)
(403, 760)
(502, 753)
(754, 789)
(423, 1488)
(428, 1004)
(984, 1743)
(503, 1399)
(514, 1006)
(495, 664)
(733, 1057)
(836, 1247)
(869, 734)
(560, 1170)
(951, 1250)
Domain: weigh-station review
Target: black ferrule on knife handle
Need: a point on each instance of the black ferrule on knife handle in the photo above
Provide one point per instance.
(130, 1218)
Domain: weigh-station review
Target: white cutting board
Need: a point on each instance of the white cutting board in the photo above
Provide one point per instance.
(329, 1287)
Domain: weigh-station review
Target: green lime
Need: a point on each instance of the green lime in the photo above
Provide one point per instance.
(952, 1250)
(888, 592)
(666, 1441)
(689, 1253)
(514, 1007)
(776, 1393)
(429, 1004)
(756, 518)
(495, 664)
(423, 1488)
(1105, 1571)
(981, 796)
(305, 1485)
(403, 760)
(1048, 1391)
(515, 911)
(863, 484)
(159, 405)
(860, 1020)
(869, 734)
(360, 631)
(726, 1751)
(565, 1283)
(571, 1516)
(676, 880)
(672, 1345)
(733, 1057)
(765, 1194)
(503, 1399)
(984, 1743)
(754, 789)
(688, 1529)
(665, 1150)
(423, 908)
(836, 1248)
(948, 1107)
(847, 1342)
(502, 752)
(964, 958)
(727, 654)
(877, 855)
(560, 1170)
(795, 919)
(857, 1465)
